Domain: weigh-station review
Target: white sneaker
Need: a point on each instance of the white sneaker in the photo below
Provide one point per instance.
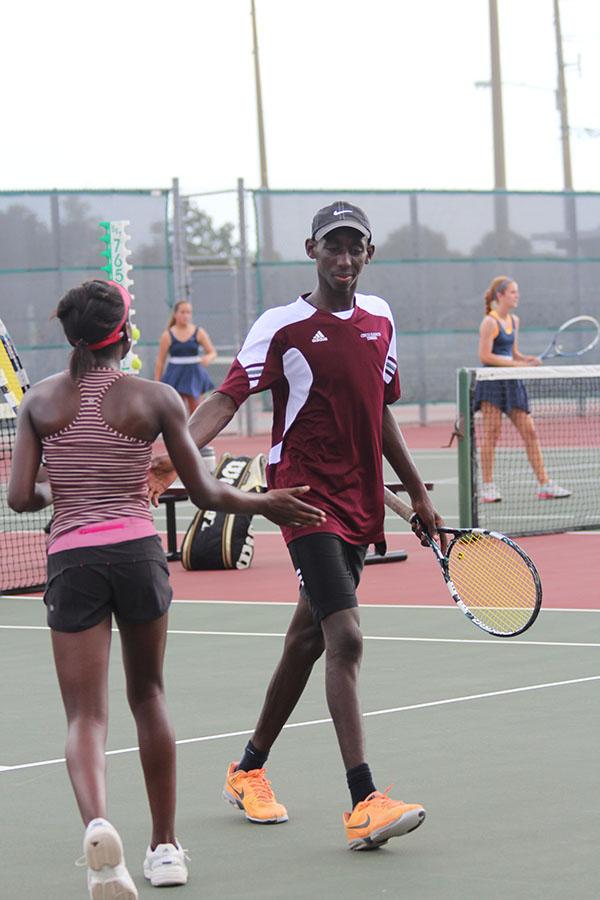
(490, 493)
(552, 491)
(165, 865)
(108, 878)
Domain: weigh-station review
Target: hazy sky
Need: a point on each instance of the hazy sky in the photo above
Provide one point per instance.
(357, 93)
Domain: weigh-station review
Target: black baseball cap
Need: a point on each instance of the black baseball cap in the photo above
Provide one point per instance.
(340, 215)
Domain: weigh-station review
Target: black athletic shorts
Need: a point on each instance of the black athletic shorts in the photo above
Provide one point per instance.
(329, 570)
(87, 584)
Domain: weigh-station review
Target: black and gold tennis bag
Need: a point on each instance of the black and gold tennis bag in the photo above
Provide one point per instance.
(219, 540)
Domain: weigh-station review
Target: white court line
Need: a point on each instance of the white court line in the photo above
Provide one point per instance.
(362, 606)
(367, 637)
(375, 712)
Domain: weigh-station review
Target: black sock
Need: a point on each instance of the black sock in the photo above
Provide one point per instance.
(252, 758)
(360, 782)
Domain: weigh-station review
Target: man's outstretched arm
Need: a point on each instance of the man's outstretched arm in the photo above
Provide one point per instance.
(211, 417)
(208, 420)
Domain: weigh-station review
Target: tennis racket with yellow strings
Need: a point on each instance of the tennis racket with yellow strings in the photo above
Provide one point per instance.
(13, 377)
(490, 578)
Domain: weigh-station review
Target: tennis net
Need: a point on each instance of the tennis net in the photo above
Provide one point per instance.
(22, 535)
(564, 402)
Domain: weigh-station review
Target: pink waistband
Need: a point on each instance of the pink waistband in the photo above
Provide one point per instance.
(113, 531)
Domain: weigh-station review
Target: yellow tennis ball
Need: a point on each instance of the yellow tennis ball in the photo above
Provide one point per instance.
(135, 333)
(136, 364)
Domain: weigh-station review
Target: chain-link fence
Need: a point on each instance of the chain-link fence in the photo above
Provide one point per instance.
(436, 252)
(50, 241)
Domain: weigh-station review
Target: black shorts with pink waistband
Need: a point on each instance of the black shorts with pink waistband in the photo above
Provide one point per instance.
(329, 569)
(88, 584)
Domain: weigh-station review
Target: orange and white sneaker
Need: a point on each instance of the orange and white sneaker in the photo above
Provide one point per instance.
(375, 820)
(251, 791)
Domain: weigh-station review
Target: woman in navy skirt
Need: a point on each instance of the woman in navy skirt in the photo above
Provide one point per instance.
(498, 346)
(187, 351)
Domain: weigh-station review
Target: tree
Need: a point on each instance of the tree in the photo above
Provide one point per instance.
(79, 232)
(206, 242)
(152, 253)
(507, 244)
(25, 240)
(412, 242)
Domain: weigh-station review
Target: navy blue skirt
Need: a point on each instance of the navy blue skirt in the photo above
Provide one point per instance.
(506, 395)
(191, 379)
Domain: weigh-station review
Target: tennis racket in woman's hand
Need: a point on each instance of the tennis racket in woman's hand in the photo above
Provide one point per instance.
(574, 338)
(490, 578)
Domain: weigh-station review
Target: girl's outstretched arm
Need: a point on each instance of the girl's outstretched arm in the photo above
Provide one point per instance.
(25, 494)
(284, 506)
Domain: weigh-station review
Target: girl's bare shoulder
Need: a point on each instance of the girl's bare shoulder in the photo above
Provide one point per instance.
(52, 385)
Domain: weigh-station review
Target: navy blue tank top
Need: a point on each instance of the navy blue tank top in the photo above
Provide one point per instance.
(184, 348)
(504, 340)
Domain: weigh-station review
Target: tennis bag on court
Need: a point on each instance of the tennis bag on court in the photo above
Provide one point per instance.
(218, 540)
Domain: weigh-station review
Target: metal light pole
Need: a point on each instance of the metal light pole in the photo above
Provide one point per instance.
(180, 270)
(264, 176)
(569, 201)
(262, 149)
(245, 311)
(500, 201)
(561, 102)
(497, 113)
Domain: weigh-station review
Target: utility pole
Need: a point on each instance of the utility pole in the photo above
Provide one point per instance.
(500, 201)
(264, 176)
(569, 201)
(267, 235)
(497, 112)
(561, 102)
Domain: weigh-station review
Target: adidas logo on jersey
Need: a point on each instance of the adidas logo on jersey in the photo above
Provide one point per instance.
(319, 336)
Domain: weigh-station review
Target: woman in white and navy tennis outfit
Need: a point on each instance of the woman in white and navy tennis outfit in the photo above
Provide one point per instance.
(498, 346)
(187, 351)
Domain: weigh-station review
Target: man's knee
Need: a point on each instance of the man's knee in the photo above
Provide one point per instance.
(345, 644)
(307, 644)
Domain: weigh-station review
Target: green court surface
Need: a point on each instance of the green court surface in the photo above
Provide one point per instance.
(498, 739)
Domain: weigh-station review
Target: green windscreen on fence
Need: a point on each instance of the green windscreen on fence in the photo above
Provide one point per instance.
(50, 242)
(436, 252)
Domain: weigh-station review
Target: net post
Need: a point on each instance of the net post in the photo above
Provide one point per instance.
(465, 470)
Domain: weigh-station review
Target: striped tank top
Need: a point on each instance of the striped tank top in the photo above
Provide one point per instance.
(96, 473)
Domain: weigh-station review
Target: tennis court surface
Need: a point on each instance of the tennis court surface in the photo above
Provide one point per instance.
(497, 738)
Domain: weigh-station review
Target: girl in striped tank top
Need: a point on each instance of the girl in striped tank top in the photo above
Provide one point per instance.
(95, 427)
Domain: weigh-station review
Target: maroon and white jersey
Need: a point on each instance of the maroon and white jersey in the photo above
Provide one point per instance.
(330, 375)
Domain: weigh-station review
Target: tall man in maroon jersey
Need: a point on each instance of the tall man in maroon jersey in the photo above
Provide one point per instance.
(329, 360)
